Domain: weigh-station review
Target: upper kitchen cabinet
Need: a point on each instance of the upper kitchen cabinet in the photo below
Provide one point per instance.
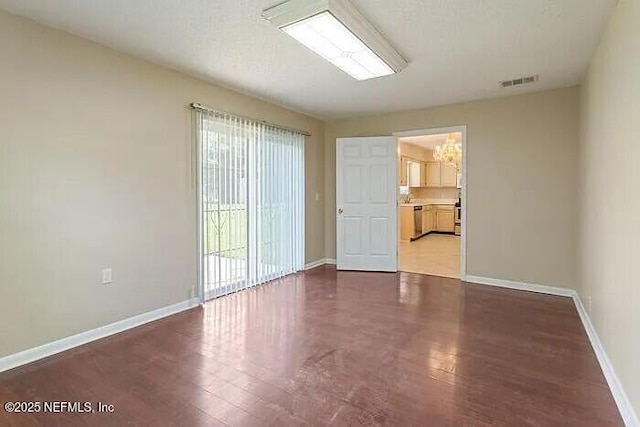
(433, 174)
(423, 178)
(404, 166)
(449, 175)
(440, 174)
(415, 173)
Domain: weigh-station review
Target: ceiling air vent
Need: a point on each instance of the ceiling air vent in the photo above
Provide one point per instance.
(519, 81)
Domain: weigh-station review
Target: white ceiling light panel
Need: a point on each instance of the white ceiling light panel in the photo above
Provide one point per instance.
(335, 30)
(329, 38)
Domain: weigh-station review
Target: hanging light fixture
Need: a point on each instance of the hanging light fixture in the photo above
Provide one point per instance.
(449, 152)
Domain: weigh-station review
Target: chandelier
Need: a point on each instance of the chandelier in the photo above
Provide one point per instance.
(449, 152)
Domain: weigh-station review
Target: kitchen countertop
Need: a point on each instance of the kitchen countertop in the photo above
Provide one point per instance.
(426, 202)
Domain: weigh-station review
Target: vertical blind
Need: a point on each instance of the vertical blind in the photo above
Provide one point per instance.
(251, 202)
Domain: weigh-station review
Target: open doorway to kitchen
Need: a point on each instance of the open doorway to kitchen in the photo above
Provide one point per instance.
(432, 202)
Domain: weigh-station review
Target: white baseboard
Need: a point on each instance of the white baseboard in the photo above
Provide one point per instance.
(49, 349)
(522, 286)
(319, 262)
(316, 263)
(624, 405)
(622, 401)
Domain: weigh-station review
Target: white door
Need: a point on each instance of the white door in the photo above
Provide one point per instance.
(366, 202)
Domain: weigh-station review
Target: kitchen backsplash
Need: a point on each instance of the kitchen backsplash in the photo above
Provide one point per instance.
(433, 193)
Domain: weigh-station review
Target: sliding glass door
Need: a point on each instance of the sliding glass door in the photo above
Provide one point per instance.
(251, 202)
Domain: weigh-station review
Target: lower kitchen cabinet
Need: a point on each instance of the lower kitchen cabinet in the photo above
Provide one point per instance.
(434, 218)
(427, 219)
(407, 223)
(445, 220)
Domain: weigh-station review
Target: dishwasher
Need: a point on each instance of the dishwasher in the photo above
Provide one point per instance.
(417, 222)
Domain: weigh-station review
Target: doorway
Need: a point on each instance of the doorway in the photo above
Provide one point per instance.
(369, 171)
(432, 201)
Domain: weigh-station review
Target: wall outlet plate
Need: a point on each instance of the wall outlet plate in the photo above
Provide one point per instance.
(107, 276)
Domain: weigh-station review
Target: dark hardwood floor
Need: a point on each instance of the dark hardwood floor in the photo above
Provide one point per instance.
(328, 348)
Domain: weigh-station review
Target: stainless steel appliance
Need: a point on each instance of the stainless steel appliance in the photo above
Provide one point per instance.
(417, 221)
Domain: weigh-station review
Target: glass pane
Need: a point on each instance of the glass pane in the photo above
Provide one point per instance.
(224, 208)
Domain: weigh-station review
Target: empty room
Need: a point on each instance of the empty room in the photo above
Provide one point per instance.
(319, 213)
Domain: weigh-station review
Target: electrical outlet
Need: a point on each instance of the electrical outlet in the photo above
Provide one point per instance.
(317, 197)
(107, 276)
(588, 303)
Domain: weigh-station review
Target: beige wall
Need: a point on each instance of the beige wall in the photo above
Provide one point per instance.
(95, 172)
(610, 194)
(414, 151)
(522, 170)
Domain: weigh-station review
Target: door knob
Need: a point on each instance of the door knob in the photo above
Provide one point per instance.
(340, 211)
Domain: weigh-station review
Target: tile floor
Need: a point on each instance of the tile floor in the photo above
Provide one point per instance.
(433, 254)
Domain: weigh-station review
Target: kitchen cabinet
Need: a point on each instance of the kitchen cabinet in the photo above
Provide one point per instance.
(427, 219)
(445, 218)
(434, 218)
(415, 173)
(404, 166)
(423, 178)
(433, 174)
(449, 175)
(407, 223)
(440, 174)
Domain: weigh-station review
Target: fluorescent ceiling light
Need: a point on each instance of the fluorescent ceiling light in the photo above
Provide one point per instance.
(335, 30)
(329, 38)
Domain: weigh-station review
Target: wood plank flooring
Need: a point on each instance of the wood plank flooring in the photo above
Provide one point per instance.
(336, 348)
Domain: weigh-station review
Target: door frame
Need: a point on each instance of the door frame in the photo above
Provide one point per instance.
(463, 232)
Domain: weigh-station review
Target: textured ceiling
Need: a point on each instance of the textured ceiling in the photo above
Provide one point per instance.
(457, 50)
